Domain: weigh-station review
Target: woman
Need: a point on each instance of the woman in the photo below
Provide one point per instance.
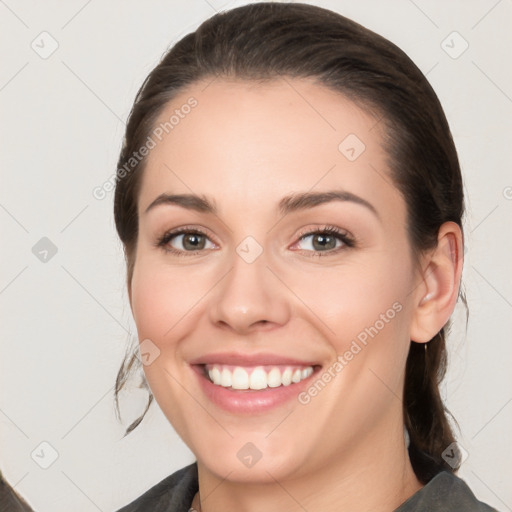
(290, 203)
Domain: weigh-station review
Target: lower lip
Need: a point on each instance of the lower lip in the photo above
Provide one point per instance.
(248, 400)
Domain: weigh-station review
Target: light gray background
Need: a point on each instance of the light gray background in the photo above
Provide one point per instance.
(65, 322)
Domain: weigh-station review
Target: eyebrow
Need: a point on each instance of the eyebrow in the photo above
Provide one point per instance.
(189, 201)
(288, 204)
(307, 200)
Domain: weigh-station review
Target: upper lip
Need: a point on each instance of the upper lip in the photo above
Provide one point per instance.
(240, 359)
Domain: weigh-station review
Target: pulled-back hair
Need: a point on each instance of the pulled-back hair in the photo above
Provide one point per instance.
(264, 41)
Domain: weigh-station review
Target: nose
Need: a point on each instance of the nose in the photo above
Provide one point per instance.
(249, 298)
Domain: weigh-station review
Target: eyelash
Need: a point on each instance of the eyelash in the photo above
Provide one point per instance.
(343, 236)
(347, 240)
(167, 237)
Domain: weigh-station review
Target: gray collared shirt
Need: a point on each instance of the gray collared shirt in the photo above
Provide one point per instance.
(444, 493)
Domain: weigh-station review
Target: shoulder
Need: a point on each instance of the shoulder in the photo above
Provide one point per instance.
(173, 494)
(446, 492)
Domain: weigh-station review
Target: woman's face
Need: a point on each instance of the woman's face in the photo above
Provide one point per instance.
(294, 277)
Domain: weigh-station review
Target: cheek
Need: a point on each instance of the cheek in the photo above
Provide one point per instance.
(364, 311)
(365, 314)
(352, 299)
(163, 298)
(165, 304)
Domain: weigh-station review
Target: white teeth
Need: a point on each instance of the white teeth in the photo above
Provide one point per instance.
(215, 375)
(259, 378)
(286, 377)
(240, 379)
(306, 372)
(225, 378)
(274, 378)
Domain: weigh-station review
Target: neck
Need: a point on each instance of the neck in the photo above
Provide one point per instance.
(376, 475)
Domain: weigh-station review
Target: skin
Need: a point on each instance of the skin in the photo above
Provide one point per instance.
(246, 146)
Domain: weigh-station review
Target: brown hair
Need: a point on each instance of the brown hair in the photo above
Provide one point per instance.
(10, 500)
(263, 41)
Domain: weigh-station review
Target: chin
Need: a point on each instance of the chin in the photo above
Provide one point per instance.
(256, 458)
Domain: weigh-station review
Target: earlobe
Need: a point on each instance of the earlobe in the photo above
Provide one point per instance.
(437, 295)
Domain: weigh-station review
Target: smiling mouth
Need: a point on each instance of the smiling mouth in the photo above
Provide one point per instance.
(255, 378)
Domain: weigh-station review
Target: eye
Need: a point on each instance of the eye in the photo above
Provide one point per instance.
(329, 239)
(185, 240)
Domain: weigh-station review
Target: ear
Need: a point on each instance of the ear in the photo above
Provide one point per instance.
(436, 296)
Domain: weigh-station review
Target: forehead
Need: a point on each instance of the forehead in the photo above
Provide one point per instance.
(247, 143)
